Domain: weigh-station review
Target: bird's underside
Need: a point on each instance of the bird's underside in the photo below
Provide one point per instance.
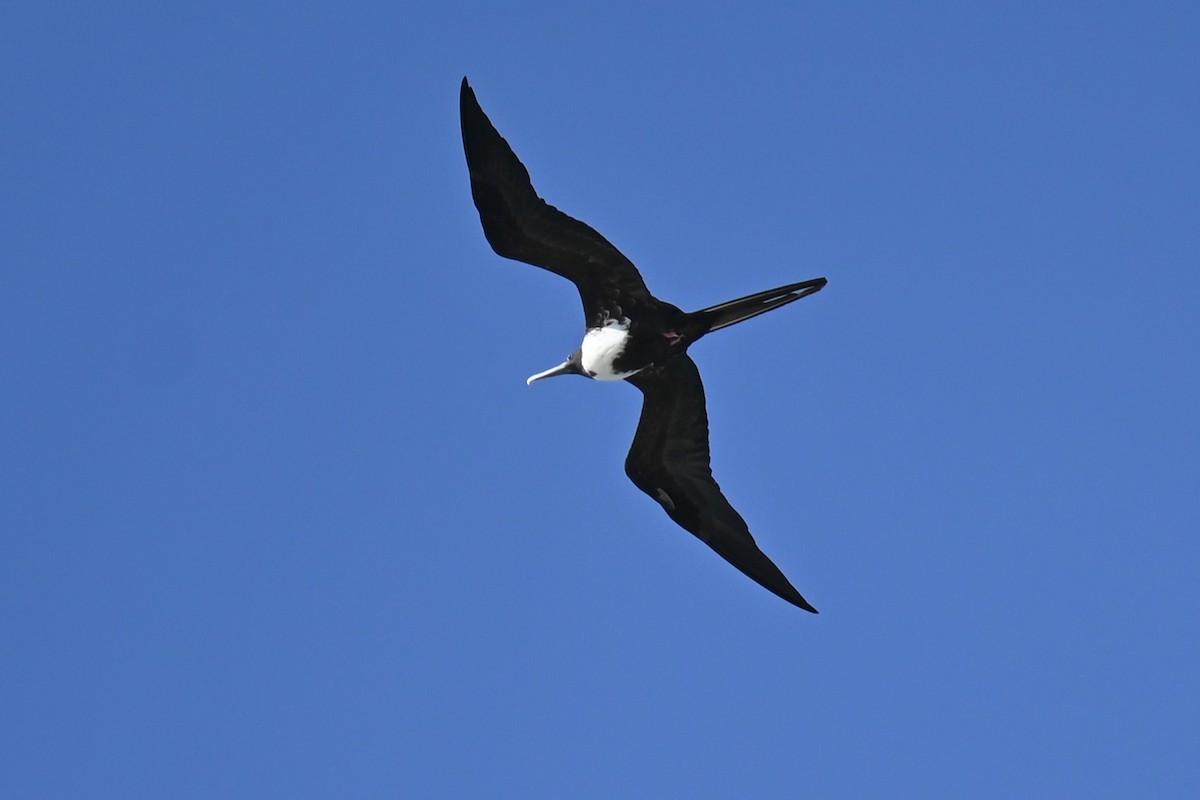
(669, 459)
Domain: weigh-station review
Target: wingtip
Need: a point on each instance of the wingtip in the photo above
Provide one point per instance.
(794, 597)
(797, 599)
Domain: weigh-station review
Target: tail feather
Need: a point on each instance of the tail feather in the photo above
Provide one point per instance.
(730, 313)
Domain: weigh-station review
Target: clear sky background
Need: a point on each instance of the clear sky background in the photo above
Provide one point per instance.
(279, 516)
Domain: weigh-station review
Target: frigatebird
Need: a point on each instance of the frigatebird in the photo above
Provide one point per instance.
(631, 335)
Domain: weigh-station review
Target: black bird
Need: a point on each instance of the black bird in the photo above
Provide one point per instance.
(631, 335)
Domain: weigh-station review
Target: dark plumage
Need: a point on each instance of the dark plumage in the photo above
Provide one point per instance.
(632, 335)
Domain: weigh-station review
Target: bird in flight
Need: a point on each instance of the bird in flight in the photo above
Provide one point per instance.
(633, 336)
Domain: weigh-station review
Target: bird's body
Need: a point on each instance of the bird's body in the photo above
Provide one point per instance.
(630, 335)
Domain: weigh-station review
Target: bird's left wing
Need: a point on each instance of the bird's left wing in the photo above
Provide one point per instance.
(520, 225)
(670, 461)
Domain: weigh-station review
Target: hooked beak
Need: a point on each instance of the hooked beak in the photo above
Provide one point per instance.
(565, 368)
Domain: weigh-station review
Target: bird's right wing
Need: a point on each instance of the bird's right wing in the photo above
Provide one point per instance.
(520, 225)
(670, 461)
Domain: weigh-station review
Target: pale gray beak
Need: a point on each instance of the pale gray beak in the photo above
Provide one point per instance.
(562, 369)
(572, 366)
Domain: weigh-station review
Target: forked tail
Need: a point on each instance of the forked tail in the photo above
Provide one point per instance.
(722, 316)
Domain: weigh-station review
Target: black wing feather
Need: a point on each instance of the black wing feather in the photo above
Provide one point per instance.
(670, 461)
(522, 226)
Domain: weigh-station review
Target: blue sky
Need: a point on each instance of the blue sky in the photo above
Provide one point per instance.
(279, 516)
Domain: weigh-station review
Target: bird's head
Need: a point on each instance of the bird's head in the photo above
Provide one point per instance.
(572, 366)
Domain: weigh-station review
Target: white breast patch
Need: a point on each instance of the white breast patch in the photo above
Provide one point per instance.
(601, 347)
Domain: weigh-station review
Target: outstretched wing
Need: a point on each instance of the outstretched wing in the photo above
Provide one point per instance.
(669, 461)
(520, 225)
